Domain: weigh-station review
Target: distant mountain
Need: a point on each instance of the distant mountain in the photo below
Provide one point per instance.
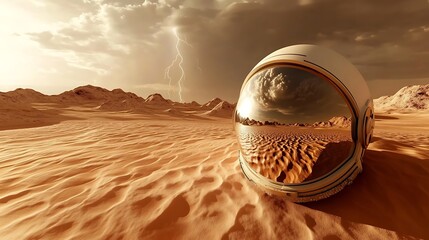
(222, 109)
(341, 122)
(409, 98)
(157, 98)
(113, 100)
(21, 98)
(252, 122)
(95, 94)
(212, 103)
(192, 104)
(26, 95)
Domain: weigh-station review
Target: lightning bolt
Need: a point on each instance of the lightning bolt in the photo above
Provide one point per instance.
(178, 61)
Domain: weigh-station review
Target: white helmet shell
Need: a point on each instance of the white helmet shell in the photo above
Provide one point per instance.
(303, 120)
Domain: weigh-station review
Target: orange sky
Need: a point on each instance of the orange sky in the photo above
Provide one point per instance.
(56, 45)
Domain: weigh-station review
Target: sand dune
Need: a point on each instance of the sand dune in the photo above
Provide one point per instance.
(171, 171)
(122, 105)
(153, 178)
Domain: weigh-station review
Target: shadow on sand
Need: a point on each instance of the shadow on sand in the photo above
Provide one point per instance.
(384, 117)
(31, 118)
(332, 156)
(392, 192)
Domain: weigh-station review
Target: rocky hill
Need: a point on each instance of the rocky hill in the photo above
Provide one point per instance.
(212, 103)
(222, 109)
(409, 98)
(157, 98)
(93, 94)
(113, 100)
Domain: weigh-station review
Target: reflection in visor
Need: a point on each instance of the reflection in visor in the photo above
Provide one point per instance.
(293, 126)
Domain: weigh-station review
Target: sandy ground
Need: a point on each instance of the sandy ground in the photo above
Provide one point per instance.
(291, 154)
(123, 176)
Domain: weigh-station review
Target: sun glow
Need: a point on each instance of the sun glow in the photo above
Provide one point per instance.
(245, 107)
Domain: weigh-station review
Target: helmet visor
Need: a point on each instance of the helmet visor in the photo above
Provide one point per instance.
(293, 124)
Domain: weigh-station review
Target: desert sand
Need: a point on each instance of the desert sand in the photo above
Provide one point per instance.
(292, 154)
(140, 171)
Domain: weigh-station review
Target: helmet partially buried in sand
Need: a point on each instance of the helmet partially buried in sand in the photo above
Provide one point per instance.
(303, 121)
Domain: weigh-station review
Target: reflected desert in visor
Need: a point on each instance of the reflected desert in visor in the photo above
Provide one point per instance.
(293, 125)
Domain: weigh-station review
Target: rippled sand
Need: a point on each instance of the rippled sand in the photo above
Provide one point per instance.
(164, 179)
(294, 154)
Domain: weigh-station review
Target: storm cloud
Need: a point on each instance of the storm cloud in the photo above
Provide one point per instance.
(129, 44)
(290, 95)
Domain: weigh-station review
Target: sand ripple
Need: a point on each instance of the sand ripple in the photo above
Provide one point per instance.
(158, 179)
(294, 154)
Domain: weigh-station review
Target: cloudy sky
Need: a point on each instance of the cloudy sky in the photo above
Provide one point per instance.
(290, 95)
(56, 45)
